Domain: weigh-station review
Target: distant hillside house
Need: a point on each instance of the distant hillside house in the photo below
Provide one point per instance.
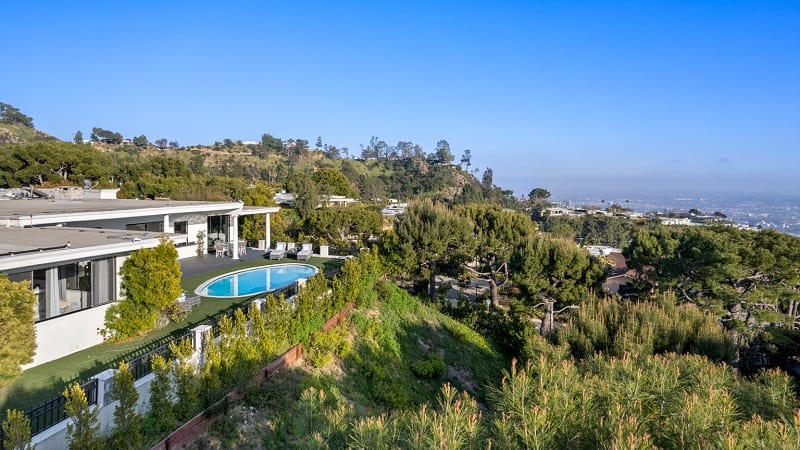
(70, 251)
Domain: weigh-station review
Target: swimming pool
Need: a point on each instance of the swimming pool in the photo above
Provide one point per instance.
(255, 281)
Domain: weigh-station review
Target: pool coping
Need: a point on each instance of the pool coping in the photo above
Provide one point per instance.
(205, 284)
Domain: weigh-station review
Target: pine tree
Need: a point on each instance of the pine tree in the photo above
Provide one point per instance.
(83, 431)
(127, 424)
(162, 411)
(16, 431)
(78, 139)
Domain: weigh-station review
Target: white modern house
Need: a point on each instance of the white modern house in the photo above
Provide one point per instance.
(71, 252)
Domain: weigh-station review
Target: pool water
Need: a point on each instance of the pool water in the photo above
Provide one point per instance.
(255, 281)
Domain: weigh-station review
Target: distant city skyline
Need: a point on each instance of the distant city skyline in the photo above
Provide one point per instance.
(574, 97)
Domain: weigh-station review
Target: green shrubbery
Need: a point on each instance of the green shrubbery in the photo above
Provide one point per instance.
(151, 278)
(16, 431)
(18, 338)
(433, 367)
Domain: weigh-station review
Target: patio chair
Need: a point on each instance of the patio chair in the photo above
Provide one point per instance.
(219, 248)
(279, 251)
(242, 247)
(305, 252)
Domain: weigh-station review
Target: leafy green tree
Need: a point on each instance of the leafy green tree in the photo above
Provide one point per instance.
(140, 141)
(487, 179)
(127, 423)
(17, 317)
(186, 383)
(555, 273)
(331, 181)
(161, 412)
(270, 144)
(496, 231)
(38, 162)
(339, 225)
(443, 153)
(107, 136)
(428, 235)
(151, 278)
(332, 152)
(466, 159)
(16, 431)
(12, 115)
(538, 194)
(306, 194)
(83, 432)
(78, 139)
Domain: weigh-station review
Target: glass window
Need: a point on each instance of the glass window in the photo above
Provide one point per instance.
(217, 229)
(181, 227)
(157, 227)
(74, 286)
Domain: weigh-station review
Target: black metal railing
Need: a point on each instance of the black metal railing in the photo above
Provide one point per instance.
(50, 412)
(141, 366)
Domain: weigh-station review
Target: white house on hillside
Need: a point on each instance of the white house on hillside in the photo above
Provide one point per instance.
(71, 252)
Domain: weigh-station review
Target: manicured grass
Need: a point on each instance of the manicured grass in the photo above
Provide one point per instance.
(45, 381)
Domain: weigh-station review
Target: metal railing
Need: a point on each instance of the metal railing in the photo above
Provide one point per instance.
(51, 412)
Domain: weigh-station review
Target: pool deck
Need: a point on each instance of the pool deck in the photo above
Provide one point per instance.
(197, 264)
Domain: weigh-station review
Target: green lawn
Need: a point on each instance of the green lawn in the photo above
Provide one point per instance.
(45, 381)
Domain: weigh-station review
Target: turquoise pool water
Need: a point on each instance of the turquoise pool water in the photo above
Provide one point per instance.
(255, 281)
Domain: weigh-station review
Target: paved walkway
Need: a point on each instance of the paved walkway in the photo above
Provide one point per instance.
(202, 264)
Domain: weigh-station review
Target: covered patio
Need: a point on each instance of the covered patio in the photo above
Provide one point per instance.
(231, 239)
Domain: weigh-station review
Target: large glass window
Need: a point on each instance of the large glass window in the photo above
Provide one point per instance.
(74, 286)
(71, 287)
(218, 229)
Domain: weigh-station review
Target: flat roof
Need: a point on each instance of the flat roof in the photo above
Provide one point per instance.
(19, 240)
(39, 212)
(44, 206)
(25, 247)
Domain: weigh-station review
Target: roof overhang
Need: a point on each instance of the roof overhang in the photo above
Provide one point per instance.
(33, 220)
(251, 210)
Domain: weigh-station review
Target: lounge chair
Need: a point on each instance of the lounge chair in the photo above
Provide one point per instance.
(305, 252)
(279, 251)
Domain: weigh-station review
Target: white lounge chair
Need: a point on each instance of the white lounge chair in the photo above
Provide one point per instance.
(305, 252)
(279, 251)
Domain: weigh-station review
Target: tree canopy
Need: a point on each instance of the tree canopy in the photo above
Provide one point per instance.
(708, 264)
(151, 278)
(13, 116)
(18, 338)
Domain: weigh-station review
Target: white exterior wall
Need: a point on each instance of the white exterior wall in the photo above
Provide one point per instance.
(61, 336)
(55, 438)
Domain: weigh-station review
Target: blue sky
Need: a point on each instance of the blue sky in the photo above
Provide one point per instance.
(578, 97)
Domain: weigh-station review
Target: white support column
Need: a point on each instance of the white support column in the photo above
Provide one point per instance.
(267, 236)
(234, 234)
(166, 224)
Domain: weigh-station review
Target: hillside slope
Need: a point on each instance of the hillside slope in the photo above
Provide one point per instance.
(391, 358)
(16, 134)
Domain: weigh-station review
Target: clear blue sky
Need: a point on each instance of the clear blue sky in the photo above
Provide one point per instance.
(572, 96)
